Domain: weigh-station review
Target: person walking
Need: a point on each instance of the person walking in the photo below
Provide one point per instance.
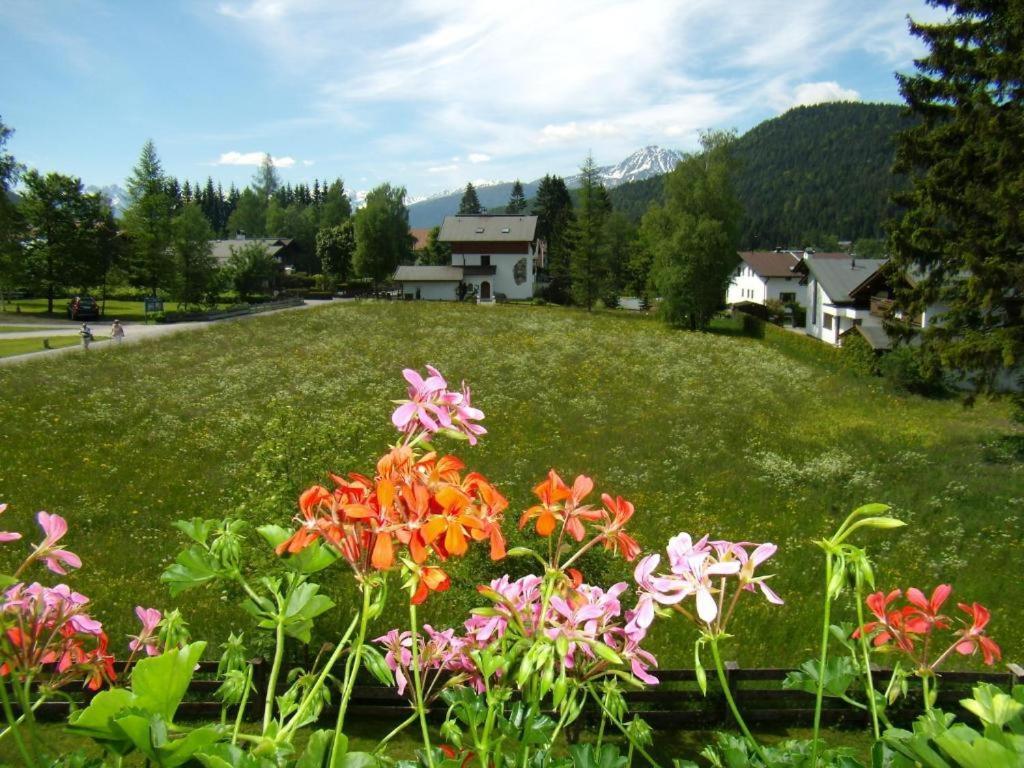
(117, 332)
(86, 334)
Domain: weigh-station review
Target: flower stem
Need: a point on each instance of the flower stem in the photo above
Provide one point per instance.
(241, 705)
(625, 732)
(395, 731)
(275, 670)
(926, 693)
(351, 672)
(12, 722)
(417, 684)
(820, 693)
(864, 649)
(732, 703)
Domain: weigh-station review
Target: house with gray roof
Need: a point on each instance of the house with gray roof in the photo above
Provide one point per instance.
(493, 255)
(834, 305)
(280, 248)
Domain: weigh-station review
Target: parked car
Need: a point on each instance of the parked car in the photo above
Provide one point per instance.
(83, 308)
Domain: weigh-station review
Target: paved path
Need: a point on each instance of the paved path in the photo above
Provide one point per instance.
(134, 332)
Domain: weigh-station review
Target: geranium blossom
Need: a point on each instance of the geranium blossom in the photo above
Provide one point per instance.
(56, 559)
(6, 536)
(432, 407)
(147, 637)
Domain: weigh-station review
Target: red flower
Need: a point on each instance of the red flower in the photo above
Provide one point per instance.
(430, 580)
(974, 636)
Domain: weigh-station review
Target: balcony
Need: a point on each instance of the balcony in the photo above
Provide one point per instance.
(883, 308)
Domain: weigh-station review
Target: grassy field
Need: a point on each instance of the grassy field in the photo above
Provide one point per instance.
(22, 310)
(9, 347)
(703, 432)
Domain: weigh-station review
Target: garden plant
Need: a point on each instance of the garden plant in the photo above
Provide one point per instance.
(536, 654)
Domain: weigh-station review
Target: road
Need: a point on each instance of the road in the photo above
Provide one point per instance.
(133, 332)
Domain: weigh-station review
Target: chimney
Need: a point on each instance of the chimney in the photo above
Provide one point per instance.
(853, 262)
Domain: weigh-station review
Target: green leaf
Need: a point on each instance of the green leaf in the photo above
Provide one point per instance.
(304, 605)
(605, 652)
(96, 720)
(318, 749)
(160, 682)
(992, 706)
(192, 567)
(358, 760)
(197, 529)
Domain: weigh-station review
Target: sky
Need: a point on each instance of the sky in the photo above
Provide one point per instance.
(427, 94)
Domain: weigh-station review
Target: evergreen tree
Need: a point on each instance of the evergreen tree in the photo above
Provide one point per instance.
(147, 222)
(249, 215)
(174, 194)
(335, 247)
(335, 208)
(470, 203)
(317, 195)
(210, 205)
(195, 268)
(694, 236)
(266, 182)
(587, 265)
(382, 233)
(517, 200)
(617, 248)
(960, 240)
(553, 207)
(186, 192)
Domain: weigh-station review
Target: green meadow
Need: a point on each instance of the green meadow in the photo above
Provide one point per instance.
(703, 432)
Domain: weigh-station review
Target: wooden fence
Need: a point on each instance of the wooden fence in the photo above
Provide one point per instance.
(675, 704)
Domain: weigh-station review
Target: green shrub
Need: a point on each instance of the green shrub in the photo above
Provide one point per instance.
(912, 370)
(858, 355)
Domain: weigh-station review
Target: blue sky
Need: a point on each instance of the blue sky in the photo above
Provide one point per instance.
(428, 94)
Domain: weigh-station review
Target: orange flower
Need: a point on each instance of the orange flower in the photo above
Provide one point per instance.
(310, 503)
(550, 492)
(618, 511)
(430, 580)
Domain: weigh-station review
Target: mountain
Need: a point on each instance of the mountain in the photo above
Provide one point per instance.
(809, 173)
(115, 196)
(642, 164)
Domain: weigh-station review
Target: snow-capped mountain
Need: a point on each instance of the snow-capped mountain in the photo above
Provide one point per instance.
(115, 196)
(642, 164)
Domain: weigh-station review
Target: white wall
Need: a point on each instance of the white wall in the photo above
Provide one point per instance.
(746, 285)
(503, 280)
(432, 291)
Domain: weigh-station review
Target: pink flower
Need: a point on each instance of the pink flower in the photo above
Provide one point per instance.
(6, 536)
(749, 563)
(54, 527)
(431, 407)
(147, 637)
(398, 656)
(974, 637)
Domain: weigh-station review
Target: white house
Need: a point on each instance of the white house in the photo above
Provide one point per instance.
(493, 255)
(838, 300)
(765, 276)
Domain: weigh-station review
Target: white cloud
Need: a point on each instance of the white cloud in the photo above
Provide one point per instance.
(442, 168)
(806, 94)
(307, 163)
(479, 157)
(575, 132)
(255, 158)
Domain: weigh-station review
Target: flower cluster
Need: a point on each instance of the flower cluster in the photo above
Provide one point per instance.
(908, 626)
(562, 507)
(432, 407)
(704, 570)
(587, 625)
(419, 504)
(48, 627)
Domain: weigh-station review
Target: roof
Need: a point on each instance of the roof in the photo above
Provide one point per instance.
(838, 277)
(421, 237)
(488, 228)
(770, 263)
(420, 274)
(221, 249)
(875, 335)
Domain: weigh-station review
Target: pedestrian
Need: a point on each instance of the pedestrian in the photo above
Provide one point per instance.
(86, 334)
(117, 332)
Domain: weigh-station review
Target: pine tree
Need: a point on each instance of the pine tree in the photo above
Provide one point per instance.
(960, 241)
(470, 204)
(587, 266)
(147, 222)
(553, 207)
(317, 196)
(266, 182)
(210, 205)
(186, 192)
(517, 200)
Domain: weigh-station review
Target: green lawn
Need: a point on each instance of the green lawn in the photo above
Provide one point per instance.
(122, 310)
(36, 327)
(703, 432)
(10, 347)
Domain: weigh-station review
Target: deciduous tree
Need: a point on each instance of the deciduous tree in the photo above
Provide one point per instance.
(335, 247)
(195, 267)
(694, 235)
(382, 233)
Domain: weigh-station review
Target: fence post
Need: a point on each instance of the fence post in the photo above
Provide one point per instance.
(1016, 674)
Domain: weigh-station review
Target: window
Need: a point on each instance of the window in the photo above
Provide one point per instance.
(787, 298)
(505, 230)
(827, 321)
(479, 230)
(485, 261)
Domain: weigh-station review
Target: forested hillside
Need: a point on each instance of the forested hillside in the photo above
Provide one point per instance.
(812, 172)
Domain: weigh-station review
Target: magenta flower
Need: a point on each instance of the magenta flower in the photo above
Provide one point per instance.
(147, 638)
(6, 536)
(56, 559)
